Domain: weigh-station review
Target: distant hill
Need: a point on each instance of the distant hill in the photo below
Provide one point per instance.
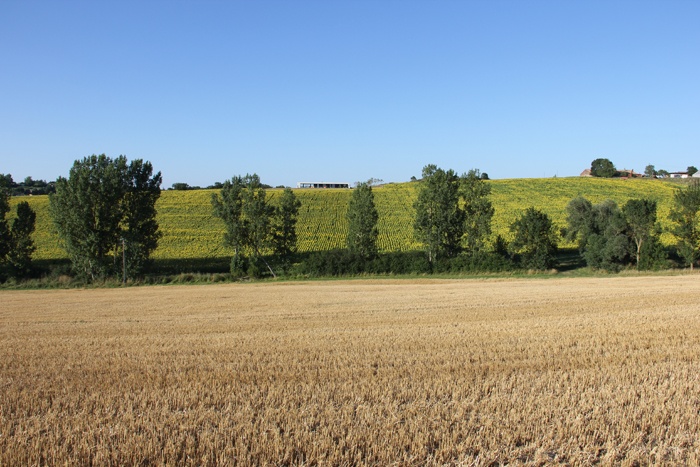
(191, 231)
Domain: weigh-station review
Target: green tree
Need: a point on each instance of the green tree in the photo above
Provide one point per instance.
(22, 246)
(258, 215)
(692, 170)
(86, 212)
(650, 171)
(285, 234)
(439, 221)
(16, 244)
(140, 230)
(478, 210)
(6, 181)
(5, 238)
(685, 215)
(579, 222)
(609, 247)
(535, 240)
(602, 168)
(94, 210)
(362, 222)
(228, 206)
(242, 205)
(640, 215)
(601, 232)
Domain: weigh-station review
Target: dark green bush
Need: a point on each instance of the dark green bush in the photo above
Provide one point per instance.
(653, 255)
(336, 263)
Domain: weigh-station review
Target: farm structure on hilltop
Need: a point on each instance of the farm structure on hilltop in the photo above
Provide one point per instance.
(624, 173)
(322, 185)
(683, 175)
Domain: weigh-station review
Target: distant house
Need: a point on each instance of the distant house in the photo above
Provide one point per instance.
(678, 175)
(322, 185)
(696, 175)
(624, 173)
(629, 173)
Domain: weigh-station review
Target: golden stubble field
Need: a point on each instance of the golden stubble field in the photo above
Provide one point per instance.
(404, 372)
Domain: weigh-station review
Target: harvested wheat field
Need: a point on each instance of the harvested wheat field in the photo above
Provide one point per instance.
(404, 372)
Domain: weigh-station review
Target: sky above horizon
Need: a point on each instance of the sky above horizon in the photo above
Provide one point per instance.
(345, 91)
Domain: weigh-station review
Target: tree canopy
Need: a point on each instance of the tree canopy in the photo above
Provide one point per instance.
(602, 168)
(242, 205)
(439, 221)
(5, 238)
(600, 231)
(19, 257)
(478, 210)
(106, 207)
(16, 244)
(640, 215)
(685, 214)
(610, 238)
(228, 206)
(285, 235)
(253, 225)
(453, 214)
(362, 222)
(535, 240)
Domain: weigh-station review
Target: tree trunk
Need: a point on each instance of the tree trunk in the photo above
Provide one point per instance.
(266, 264)
(639, 250)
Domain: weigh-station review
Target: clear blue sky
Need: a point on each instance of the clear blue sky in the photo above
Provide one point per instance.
(349, 90)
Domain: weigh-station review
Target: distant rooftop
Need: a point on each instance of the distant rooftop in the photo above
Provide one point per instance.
(322, 185)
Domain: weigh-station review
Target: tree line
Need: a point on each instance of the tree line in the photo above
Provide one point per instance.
(105, 216)
(254, 226)
(28, 186)
(16, 244)
(453, 223)
(453, 216)
(604, 168)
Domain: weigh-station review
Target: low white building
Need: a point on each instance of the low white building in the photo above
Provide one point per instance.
(322, 185)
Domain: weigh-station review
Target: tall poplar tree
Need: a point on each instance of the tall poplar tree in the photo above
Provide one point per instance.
(140, 232)
(228, 206)
(641, 219)
(21, 244)
(16, 244)
(257, 214)
(439, 222)
(362, 222)
(243, 206)
(5, 238)
(478, 210)
(285, 235)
